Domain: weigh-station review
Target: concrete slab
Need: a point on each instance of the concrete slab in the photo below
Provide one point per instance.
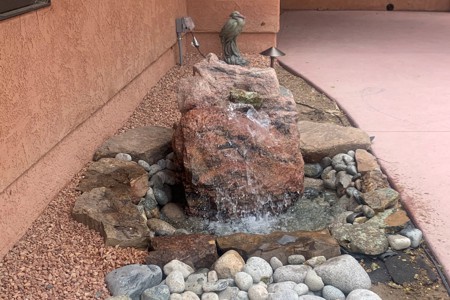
(390, 71)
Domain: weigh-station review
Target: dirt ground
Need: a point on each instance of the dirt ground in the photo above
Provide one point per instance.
(315, 106)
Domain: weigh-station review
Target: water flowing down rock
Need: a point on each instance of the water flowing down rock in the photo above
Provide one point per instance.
(238, 160)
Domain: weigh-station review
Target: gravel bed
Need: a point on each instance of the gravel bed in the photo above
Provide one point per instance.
(59, 258)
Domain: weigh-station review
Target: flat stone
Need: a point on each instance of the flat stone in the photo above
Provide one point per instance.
(318, 140)
(281, 244)
(230, 263)
(160, 227)
(396, 220)
(345, 273)
(118, 220)
(197, 250)
(217, 286)
(132, 280)
(149, 143)
(374, 180)
(365, 161)
(125, 179)
(361, 238)
(381, 199)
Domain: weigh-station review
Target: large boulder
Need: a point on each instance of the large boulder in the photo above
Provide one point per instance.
(319, 140)
(238, 160)
(149, 143)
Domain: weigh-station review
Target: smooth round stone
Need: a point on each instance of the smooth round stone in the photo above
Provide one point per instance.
(259, 269)
(188, 295)
(175, 282)
(301, 289)
(168, 191)
(313, 281)
(160, 196)
(144, 164)
(161, 163)
(329, 178)
(279, 286)
(329, 292)
(229, 264)
(123, 156)
(176, 265)
(156, 182)
(326, 162)
(154, 169)
(229, 293)
(352, 170)
(170, 156)
(284, 295)
(243, 281)
(313, 170)
(212, 276)
(351, 153)
(275, 263)
(210, 296)
(258, 292)
(359, 294)
(414, 234)
(368, 211)
(296, 259)
(315, 261)
(295, 273)
(242, 295)
(311, 297)
(344, 179)
(170, 165)
(399, 242)
(217, 286)
(159, 292)
(160, 227)
(175, 296)
(195, 281)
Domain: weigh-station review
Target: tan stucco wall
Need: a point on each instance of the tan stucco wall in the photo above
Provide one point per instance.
(71, 74)
(409, 5)
(262, 23)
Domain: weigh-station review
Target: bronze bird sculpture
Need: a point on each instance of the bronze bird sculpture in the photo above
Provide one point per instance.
(230, 31)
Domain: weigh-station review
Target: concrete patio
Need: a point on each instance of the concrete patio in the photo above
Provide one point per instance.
(390, 72)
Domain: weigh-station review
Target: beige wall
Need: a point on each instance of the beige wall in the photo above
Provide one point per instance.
(71, 74)
(414, 5)
(262, 23)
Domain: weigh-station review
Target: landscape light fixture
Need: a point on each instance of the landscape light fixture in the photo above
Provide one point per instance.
(184, 25)
(273, 53)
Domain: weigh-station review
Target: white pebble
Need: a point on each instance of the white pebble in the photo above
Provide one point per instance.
(123, 156)
(175, 282)
(188, 295)
(144, 164)
(275, 263)
(243, 281)
(313, 281)
(212, 276)
(296, 259)
(258, 292)
(210, 296)
(399, 242)
(301, 289)
(315, 261)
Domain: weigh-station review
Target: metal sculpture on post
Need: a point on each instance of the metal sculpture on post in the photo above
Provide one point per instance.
(232, 28)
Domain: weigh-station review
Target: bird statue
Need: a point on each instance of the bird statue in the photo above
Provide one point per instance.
(228, 34)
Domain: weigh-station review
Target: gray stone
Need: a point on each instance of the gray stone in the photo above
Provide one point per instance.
(414, 234)
(212, 276)
(362, 294)
(398, 242)
(119, 221)
(318, 140)
(258, 292)
(313, 170)
(156, 182)
(161, 163)
(176, 265)
(329, 178)
(175, 282)
(343, 179)
(325, 162)
(381, 199)
(159, 292)
(210, 296)
(284, 295)
(160, 196)
(361, 238)
(275, 263)
(160, 227)
(123, 156)
(242, 295)
(118, 298)
(155, 168)
(230, 292)
(315, 261)
(329, 292)
(295, 273)
(313, 281)
(310, 297)
(216, 286)
(145, 143)
(195, 281)
(259, 269)
(344, 272)
(133, 280)
(175, 296)
(243, 280)
(350, 169)
(279, 286)
(301, 289)
(144, 164)
(296, 259)
(188, 295)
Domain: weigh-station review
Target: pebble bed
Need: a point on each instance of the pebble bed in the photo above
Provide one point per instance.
(339, 278)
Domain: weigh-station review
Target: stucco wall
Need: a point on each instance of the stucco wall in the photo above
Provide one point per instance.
(71, 75)
(262, 23)
(410, 5)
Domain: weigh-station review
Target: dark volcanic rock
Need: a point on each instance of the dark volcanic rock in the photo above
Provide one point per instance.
(281, 244)
(237, 160)
(147, 143)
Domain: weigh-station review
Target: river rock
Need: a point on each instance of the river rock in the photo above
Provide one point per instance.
(118, 220)
(318, 140)
(258, 292)
(295, 273)
(195, 281)
(414, 234)
(281, 244)
(149, 143)
(399, 242)
(329, 292)
(230, 292)
(381, 199)
(229, 264)
(296, 259)
(275, 263)
(360, 294)
(175, 281)
(210, 296)
(125, 179)
(197, 250)
(313, 281)
(280, 286)
(159, 292)
(345, 273)
(313, 170)
(216, 286)
(160, 227)
(259, 269)
(234, 151)
(284, 295)
(132, 280)
(174, 212)
(361, 238)
(243, 280)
